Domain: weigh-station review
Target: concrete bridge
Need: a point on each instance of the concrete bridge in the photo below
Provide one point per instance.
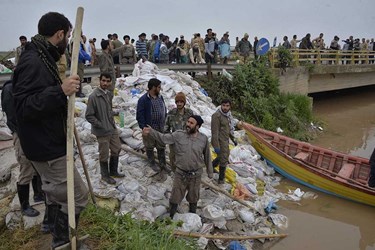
(305, 80)
(322, 78)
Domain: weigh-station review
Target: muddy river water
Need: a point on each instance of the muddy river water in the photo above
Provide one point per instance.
(328, 222)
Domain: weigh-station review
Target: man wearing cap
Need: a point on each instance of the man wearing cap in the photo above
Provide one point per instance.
(222, 129)
(244, 47)
(176, 120)
(151, 111)
(141, 47)
(192, 151)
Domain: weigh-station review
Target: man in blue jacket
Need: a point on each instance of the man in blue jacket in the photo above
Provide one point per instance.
(151, 111)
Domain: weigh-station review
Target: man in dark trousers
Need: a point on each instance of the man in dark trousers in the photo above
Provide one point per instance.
(27, 172)
(192, 151)
(151, 110)
(222, 129)
(100, 114)
(40, 99)
(176, 120)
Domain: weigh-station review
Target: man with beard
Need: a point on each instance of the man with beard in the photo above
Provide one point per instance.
(151, 111)
(222, 128)
(100, 114)
(40, 98)
(176, 120)
(192, 151)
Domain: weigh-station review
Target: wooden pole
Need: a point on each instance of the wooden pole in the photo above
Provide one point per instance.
(84, 165)
(228, 237)
(70, 132)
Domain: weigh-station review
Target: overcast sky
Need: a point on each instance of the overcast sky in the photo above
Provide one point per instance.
(267, 19)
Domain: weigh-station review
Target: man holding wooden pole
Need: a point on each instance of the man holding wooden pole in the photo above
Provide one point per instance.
(41, 108)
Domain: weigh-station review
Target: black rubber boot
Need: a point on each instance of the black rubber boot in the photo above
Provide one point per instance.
(162, 161)
(371, 181)
(215, 162)
(105, 173)
(193, 208)
(113, 165)
(221, 175)
(172, 209)
(44, 227)
(151, 160)
(60, 230)
(23, 195)
(37, 188)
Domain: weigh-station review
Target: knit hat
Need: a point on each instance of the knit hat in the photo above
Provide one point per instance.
(180, 97)
(198, 119)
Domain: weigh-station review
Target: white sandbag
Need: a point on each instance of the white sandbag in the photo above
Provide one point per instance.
(191, 222)
(281, 221)
(133, 143)
(158, 211)
(126, 133)
(246, 215)
(156, 192)
(213, 212)
(202, 243)
(5, 134)
(87, 89)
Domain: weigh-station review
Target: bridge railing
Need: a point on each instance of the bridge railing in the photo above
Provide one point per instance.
(304, 56)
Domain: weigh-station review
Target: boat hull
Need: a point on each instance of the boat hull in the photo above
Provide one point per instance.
(298, 172)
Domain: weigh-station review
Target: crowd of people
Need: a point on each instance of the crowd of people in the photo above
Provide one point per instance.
(160, 49)
(37, 114)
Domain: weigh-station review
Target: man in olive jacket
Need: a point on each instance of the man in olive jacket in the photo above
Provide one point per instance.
(222, 128)
(99, 113)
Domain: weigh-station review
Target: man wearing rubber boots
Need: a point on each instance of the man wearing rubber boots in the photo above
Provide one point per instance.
(40, 99)
(100, 114)
(151, 110)
(222, 129)
(192, 151)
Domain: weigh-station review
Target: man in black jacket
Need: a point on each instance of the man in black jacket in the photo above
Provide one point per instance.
(40, 98)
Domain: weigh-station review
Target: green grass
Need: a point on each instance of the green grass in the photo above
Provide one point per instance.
(107, 231)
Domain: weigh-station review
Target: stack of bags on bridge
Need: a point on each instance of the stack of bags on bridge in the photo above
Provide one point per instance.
(146, 198)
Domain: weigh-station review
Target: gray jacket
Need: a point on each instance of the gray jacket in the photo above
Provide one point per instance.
(99, 113)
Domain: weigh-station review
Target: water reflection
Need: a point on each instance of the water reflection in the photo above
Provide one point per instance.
(326, 223)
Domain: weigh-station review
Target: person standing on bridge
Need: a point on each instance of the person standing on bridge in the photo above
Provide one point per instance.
(105, 61)
(244, 48)
(20, 49)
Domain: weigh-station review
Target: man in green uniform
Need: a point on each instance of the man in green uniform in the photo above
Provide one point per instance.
(176, 120)
(192, 151)
(222, 128)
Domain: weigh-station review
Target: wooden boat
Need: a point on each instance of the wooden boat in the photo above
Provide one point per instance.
(322, 169)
